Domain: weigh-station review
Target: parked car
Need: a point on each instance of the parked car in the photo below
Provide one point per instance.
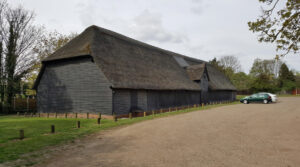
(256, 98)
(273, 96)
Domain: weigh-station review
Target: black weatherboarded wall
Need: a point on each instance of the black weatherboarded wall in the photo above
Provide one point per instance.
(74, 85)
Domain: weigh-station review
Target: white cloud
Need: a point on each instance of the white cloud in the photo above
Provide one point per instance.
(148, 27)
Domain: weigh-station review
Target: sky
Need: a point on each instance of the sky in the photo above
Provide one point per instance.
(202, 29)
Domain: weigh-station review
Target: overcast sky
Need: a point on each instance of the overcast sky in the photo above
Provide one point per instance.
(202, 29)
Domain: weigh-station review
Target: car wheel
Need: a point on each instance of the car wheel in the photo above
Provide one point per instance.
(245, 102)
(265, 101)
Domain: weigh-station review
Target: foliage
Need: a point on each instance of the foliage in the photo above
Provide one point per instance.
(19, 37)
(263, 83)
(279, 26)
(241, 80)
(286, 78)
(49, 43)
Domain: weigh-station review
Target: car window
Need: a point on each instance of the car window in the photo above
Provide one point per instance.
(254, 95)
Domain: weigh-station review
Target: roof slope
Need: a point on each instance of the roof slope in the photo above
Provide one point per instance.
(128, 63)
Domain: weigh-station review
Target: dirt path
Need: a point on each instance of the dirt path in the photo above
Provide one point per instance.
(231, 136)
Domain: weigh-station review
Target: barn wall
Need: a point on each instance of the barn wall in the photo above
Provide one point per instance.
(75, 85)
(220, 95)
(126, 101)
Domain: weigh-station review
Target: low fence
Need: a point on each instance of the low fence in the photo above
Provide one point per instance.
(20, 105)
(296, 91)
(129, 115)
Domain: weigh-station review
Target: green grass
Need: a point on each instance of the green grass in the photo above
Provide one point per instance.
(37, 131)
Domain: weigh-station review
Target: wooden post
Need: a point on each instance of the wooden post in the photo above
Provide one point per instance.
(14, 103)
(130, 115)
(27, 102)
(87, 115)
(145, 114)
(21, 134)
(48, 115)
(99, 115)
(115, 118)
(52, 129)
(66, 115)
(98, 121)
(18, 113)
(78, 124)
(75, 115)
(56, 115)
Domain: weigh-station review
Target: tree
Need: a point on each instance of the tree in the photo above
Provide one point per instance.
(230, 62)
(241, 81)
(19, 36)
(279, 26)
(263, 77)
(267, 67)
(286, 78)
(49, 43)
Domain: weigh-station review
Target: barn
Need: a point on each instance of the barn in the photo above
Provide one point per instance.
(103, 71)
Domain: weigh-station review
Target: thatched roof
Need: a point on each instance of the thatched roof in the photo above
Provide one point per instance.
(128, 63)
(195, 72)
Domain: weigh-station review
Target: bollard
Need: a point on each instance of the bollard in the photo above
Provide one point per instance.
(145, 114)
(48, 115)
(115, 118)
(52, 129)
(78, 124)
(21, 134)
(75, 115)
(87, 115)
(99, 115)
(130, 115)
(98, 121)
(66, 115)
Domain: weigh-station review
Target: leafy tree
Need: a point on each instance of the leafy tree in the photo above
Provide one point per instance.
(263, 77)
(241, 80)
(48, 43)
(263, 83)
(286, 78)
(279, 26)
(19, 36)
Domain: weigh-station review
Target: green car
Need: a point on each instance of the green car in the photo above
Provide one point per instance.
(257, 98)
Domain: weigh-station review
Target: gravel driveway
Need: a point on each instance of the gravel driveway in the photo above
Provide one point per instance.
(243, 135)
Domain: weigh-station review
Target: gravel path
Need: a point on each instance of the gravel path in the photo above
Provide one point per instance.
(243, 135)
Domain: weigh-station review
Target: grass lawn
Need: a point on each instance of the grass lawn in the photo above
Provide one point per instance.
(37, 131)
